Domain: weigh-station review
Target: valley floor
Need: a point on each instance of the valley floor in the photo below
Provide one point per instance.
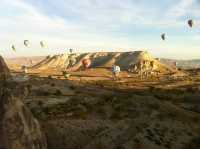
(90, 110)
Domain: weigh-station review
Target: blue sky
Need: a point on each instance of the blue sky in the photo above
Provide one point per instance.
(100, 25)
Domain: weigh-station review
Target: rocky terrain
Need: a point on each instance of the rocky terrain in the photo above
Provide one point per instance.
(18, 128)
(90, 110)
(101, 115)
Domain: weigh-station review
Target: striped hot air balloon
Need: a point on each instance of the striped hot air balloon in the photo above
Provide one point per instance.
(86, 63)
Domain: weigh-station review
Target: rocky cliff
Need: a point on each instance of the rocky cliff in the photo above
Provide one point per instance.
(18, 128)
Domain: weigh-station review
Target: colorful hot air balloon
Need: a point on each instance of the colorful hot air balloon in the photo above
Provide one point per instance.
(26, 43)
(191, 23)
(163, 36)
(86, 63)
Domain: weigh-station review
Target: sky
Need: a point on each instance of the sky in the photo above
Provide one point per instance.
(100, 25)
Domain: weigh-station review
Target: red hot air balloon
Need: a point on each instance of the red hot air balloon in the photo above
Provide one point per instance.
(86, 63)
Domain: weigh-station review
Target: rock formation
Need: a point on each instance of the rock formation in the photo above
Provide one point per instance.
(18, 128)
(126, 60)
(4, 71)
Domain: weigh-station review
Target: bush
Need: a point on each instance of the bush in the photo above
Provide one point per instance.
(29, 87)
(72, 87)
(58, 93)
(42, 93)
(40, 103)
(49, 77)
(193, 144)
(191, 89)
(52, 84)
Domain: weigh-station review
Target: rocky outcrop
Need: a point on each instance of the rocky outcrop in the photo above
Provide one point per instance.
(18, 128)
(21, 130)
(126, 60)
(4, 71)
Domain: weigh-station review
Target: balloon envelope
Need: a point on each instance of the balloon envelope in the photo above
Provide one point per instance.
(70, 50)
(13, 48)
(86, 63)
(163, 36)
(26, 43)
(191, 23)
(116, 69)
(42, 44)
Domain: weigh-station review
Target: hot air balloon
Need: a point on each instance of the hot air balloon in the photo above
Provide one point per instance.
(70, 50)
(26, 43)
(42, 44)
(13, 48)
(86, 63)
(163, 36)
(191, 23)
(116, 70)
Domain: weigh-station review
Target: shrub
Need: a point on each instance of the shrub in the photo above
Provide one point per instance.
(49, 77)
(58, 93)
(72, 87)
(52, 84)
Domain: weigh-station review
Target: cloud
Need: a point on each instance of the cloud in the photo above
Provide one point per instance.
(60, 33)
(91, 24)
(35, 26)
(180, 9)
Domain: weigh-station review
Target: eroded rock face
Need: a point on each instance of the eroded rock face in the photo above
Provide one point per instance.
(142, 59)
(21, 130)
(18, 128)
(4, 71)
